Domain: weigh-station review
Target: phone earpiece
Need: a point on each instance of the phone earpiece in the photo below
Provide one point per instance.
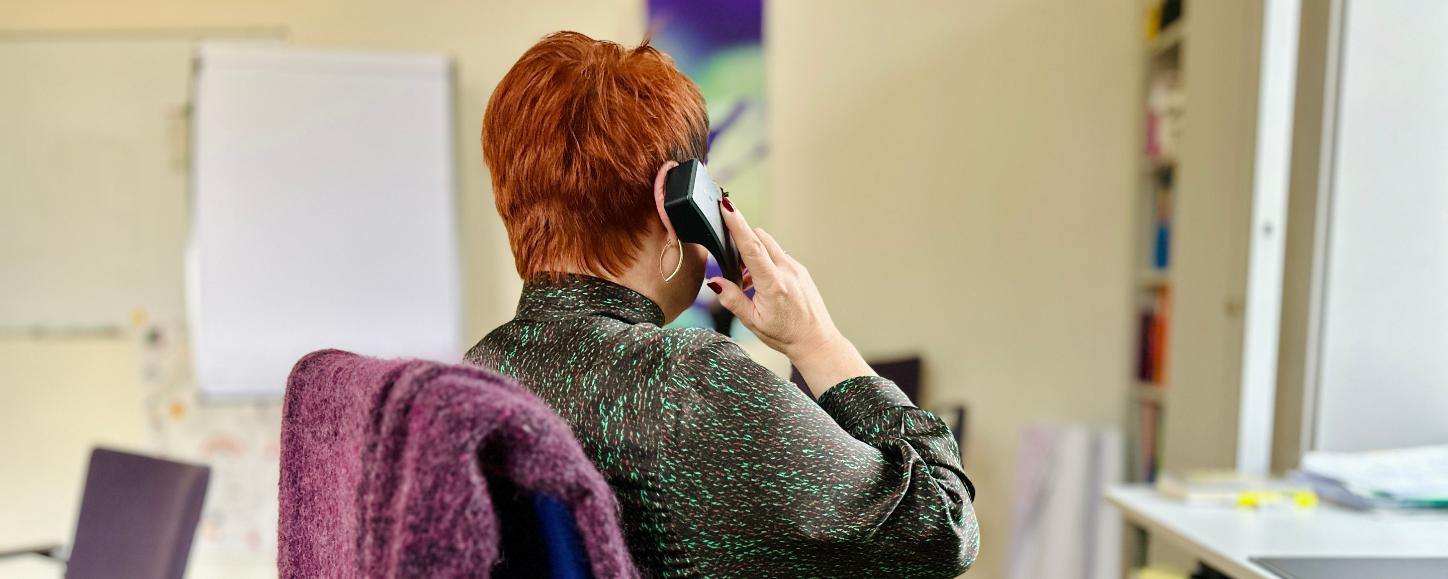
(693, 201)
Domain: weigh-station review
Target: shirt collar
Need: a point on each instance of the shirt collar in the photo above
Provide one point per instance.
(570, 295)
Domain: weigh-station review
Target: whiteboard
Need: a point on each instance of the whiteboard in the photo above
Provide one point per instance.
(323, 212)
(1383, 369)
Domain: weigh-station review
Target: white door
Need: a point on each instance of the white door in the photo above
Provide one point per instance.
(1383, 378)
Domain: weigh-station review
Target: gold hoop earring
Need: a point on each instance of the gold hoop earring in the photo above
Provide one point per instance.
(677, 266)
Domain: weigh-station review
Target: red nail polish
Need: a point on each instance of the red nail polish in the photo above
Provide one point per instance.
(715, 287)
(728, 205)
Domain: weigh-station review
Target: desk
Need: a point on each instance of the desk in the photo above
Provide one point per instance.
(1225, 537)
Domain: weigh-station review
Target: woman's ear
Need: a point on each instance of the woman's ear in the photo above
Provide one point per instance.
(659, 196)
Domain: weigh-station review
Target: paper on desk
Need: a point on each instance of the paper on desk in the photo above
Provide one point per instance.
(1407, 474)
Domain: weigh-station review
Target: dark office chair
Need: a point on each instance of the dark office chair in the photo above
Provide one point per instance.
(905, 373)
(137, 518)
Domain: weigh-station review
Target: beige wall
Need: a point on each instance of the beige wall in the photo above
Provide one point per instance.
(959, 178)
(484, 37)
(79, 393)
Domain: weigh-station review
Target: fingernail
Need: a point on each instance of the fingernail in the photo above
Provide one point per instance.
(728, 205)
(715, 287)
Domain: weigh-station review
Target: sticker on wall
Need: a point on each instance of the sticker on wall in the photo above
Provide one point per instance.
(239, 441)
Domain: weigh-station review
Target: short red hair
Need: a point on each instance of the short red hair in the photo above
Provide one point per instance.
(573, 135)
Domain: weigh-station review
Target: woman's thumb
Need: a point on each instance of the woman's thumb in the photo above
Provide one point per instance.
(733, 299)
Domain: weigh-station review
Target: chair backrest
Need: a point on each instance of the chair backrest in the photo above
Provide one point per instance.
(904, 372)
(137, 517)
(380, 477)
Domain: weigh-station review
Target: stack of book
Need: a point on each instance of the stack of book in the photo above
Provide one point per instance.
(1229, 488)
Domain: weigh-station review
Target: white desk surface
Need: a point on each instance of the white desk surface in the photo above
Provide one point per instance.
(1225, 537)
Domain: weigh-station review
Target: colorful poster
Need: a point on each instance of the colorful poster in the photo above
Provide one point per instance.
(719, 44)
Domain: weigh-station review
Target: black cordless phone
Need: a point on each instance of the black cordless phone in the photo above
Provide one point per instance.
(693, 201)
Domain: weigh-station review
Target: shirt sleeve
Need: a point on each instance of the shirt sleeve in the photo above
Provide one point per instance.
(862, 483)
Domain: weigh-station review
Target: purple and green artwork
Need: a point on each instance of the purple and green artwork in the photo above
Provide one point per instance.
(719, 44)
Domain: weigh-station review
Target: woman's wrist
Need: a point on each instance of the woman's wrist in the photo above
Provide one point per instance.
(831, 361)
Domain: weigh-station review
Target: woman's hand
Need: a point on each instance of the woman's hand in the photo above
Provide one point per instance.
(787, 312)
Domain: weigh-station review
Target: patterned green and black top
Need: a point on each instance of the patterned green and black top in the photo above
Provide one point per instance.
(722, 468)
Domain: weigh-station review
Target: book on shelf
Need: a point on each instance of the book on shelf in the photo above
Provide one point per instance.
(1161, 16)
(1161, 201)
(1144, 357)
(1150, 422)
(1159, 335)
(1152, 338)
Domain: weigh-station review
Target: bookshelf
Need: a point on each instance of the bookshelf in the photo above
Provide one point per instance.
(1210, 185)
(1163, 107)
